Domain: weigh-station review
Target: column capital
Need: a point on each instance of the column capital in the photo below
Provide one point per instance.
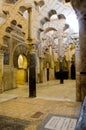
(77, 45)
(3, 48)
(29, 9)
(31, 45)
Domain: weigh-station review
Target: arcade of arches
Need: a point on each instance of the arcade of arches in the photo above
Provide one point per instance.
(37, 44)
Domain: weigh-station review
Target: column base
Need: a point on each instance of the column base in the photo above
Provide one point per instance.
(61, 81)
(83, 86)
(32, 94)
(32, 76)
(1, 91)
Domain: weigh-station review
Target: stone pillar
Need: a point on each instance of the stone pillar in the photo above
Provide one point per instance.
(51, 68)
(9, 72)
(1, 71)
(37, 69)
(61, 73)
(60, 42)
(32, 59)
(79, 7)
(29, 22)
(32, 75)
(77, 63)
(82, 26)
(41, 70)
(69, 63)
(69, 69)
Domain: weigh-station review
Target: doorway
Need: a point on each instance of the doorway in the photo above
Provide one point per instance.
(22, 75)
(47, 74)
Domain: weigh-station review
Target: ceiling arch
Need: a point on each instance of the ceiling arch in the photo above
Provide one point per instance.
(8, 29)
(41, 3)
(49, 29)
(19, 25)
(13, 22)
(22, 9)
(52, 24)
(52, 12)
(61, 16)
(44, 20)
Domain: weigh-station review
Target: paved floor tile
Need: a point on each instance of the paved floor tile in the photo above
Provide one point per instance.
(52, 98)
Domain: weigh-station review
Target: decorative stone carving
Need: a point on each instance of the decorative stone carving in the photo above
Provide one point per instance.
(3, 47)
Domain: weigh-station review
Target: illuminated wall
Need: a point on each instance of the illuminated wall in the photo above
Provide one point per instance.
(21, 71)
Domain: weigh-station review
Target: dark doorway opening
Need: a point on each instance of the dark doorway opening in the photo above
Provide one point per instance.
(73, 75)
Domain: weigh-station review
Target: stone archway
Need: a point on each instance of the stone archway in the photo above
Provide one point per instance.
(21, 49)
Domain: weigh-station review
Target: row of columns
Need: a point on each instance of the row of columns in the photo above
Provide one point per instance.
(60, 52)
(80, 67)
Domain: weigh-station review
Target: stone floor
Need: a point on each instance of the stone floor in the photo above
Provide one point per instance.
(52, 98)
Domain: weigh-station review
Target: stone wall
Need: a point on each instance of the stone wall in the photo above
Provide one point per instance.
(9, 78)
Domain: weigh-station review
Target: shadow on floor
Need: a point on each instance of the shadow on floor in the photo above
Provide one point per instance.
(8, 123)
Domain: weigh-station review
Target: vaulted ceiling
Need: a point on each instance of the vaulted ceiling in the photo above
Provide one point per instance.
(14, 11)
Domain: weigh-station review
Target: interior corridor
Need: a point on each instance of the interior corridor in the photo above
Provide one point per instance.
(50, 90)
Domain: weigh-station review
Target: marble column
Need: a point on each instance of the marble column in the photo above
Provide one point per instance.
(61, 73)
(1, 71)
(60, 42)
(51, 68)
(37, 69)
(69, 69)
(79, 7)
(41, 70)
(32, 58)
(82, 25)
(77, 64)
(29, 23)
(32, 75)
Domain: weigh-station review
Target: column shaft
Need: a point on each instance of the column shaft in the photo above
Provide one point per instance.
(60, 41)
(29, 22)
(32, 76)
(82, 34)
(1, 72)
(80, 10)
(78, 84)
(41, 70)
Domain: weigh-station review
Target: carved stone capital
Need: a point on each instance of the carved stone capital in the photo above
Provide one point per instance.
(29, 9)
(3, 48)
(31, 45)
(77, 46)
